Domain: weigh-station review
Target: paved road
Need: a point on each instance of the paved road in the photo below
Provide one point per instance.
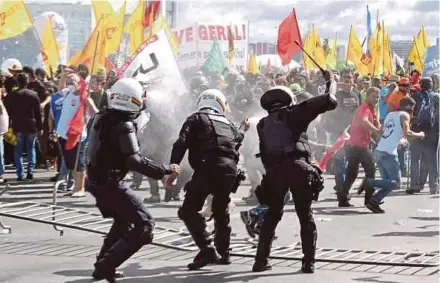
(36, 253)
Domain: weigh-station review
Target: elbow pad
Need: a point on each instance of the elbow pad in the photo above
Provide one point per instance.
(147, 167)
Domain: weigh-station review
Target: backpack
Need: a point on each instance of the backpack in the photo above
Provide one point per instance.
(425, 116)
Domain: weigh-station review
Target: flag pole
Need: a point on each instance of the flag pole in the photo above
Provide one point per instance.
(383, 47)
(88, 89)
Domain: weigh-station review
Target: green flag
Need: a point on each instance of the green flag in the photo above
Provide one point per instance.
(215, 61)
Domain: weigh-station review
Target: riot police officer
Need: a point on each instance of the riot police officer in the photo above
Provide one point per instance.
(113, 151)
(285, 153)
(211, 140)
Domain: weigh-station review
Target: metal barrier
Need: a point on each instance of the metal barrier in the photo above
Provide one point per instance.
(59, 216)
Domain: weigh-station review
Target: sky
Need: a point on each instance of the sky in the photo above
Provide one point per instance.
(403, 18)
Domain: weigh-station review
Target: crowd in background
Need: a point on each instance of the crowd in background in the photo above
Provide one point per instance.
(35, 105)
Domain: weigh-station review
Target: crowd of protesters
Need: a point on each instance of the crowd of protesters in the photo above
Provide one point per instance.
(385, 118)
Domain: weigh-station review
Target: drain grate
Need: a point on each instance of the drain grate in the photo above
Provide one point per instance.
(175, 239)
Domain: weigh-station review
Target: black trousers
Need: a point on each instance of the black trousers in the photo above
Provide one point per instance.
(357, 155)
(293, 175)
(215, 176)
(133, 224)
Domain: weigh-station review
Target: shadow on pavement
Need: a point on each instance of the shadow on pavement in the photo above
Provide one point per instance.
(409, 234)
(135, 274)
(426, 218)
(374, 279)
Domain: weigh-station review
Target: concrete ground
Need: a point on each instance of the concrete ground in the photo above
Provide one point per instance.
(36, 253)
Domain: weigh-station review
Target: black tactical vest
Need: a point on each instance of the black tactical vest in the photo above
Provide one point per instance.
(217, 139)
(105, 161)
(278, 140)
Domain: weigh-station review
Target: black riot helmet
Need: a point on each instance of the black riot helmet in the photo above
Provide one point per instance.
(277, 97)
(199, 84)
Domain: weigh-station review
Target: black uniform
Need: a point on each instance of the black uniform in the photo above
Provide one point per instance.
(113, 151)
(211, 140)
(285, 154)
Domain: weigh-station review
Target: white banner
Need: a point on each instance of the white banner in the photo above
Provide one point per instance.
(155, 66)
(60, 30)
(196, 42)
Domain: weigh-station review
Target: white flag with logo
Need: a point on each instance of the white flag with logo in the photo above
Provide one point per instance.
(155, 67)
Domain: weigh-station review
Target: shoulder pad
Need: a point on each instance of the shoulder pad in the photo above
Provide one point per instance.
(125, 127)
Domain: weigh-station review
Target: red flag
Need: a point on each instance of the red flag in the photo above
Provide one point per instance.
(268, 67)
(151, 12)
(76, 126)
(288, 32)
(340, 142)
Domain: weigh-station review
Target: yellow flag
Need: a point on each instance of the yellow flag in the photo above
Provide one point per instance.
(49, 49)
(114, 30)
(135, 28)
(387, 55)
(102, 9)
(418, 50)
(331, 59)
(96, 42)
(375, 67)
(355, 52)
(252, 64)
(14, 19)
(314, 48)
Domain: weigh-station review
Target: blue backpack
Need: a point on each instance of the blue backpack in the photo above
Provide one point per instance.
(425, 115)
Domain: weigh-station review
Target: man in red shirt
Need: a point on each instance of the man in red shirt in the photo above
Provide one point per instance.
(364, 124)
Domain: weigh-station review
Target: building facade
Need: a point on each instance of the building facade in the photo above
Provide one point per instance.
(341, 53)
(401, 48)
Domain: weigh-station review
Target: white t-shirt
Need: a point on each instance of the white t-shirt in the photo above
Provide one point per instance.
(70, 106)
(392, 133)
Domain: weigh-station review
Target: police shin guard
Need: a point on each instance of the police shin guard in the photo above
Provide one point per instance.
(265, 241)
(105, 247)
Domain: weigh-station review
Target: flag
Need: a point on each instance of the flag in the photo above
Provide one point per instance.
(417, 52)
(314, 48)
(161, 24)
(369, 33)
(387, 56)
(215, 61)
(332, 56)
(288, 33)
(252, 64)
(231, 48)
(77, 124)
(375, 66)
(114, 26)
(88, 56)
(135, 28)
(49, 48)
(14, 19)
(355, 53)
(102, 9)
(432, 61)
(155, 66)
(340, 142)
(152, 12)
(268, 67)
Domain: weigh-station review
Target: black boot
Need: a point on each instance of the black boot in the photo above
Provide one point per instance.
(308, 266)
(118, 254)
(263, 252)
(225, 258)
(203, 258)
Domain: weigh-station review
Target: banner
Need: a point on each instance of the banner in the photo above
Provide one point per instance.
(154, 66)
(432, 61)
(59, 28)
(196, 42)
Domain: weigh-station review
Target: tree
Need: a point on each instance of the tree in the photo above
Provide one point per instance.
(326, 46)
